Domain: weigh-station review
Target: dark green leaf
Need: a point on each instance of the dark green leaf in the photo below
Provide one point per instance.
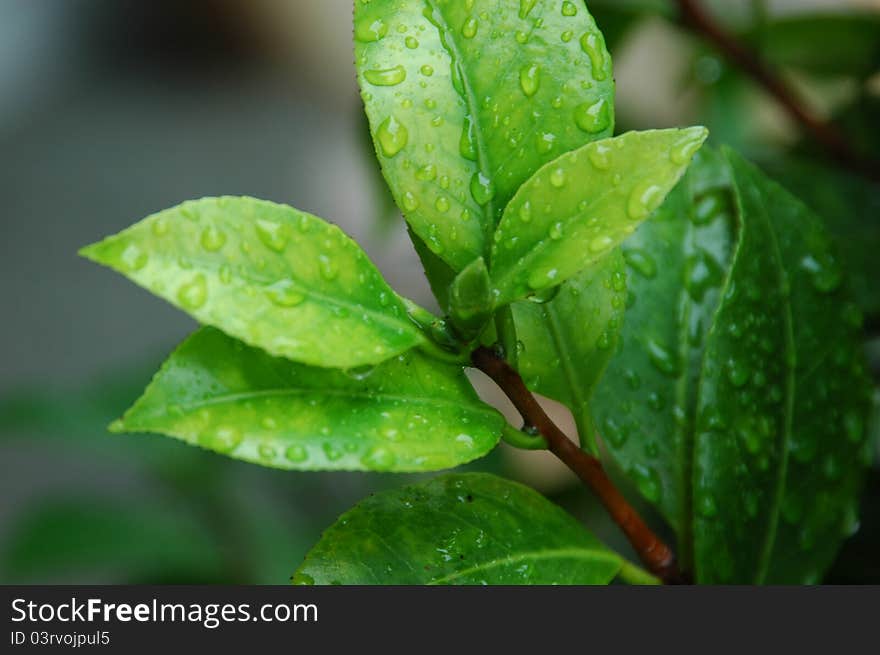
(467, 99)
(407, 414)
(270, 275)
(738, 401)
(577, 208)
(565, 344)
(470, 528)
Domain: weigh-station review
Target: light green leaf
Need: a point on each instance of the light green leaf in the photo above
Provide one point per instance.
(467, 529)
(409, 413)
(565, 344)
(467, 99)
(471, 298)
(270, 275)
(580, 206)
(739, 401)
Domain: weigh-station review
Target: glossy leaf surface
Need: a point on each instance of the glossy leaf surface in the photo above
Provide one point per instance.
(577, 208)
(566, 343)
(467, 99)
(470, 528)
(268, 274)
(407, 414)
(738, 401)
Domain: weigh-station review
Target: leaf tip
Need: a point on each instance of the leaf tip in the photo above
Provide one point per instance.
(117, 427)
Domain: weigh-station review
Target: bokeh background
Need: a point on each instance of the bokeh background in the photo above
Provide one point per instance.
(113, 109)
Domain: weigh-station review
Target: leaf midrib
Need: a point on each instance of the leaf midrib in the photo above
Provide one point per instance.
(549, 553)
(470, 100)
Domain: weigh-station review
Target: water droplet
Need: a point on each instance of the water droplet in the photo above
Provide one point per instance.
(379, 459)
(644, 199)
(329, 268)
(427, 70)
(615, 435)
(392, 135)
(412, 42)
(442, 204)
(525, 7)
(685, 147)
(648, 482)
(332, 452)
(194, 293)
(568, 9)
(600, 156)
(213, 239)
(601, 243)
(296, 454)
(566, 36)
(641, 262)
(556, 231)
(557, 178)
(266, 451)
(544, 142)
(410, 202)
(530, 79)
(707, 208)
(469, 29)
(273, 235)
(133, 258)
(525, 212)
(738, 373)
(285, 293)
(706, 506)
(826, 274)
(467, 145)
(482, 189)
(368, 30)
(427, 173)
(223, 439)
(544, 295)
(359, 372)
(386, 76)
(160, 226)
(663, 359)
(702, 273)
(592, 117)
(594, 48)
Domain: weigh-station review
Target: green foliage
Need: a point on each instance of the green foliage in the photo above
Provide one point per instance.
(714, 350)
(407, 414)
(272, 276)
(742, 360)
(458, 529)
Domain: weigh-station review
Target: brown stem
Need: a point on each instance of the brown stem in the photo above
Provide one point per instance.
(656, 555)
(699, 21)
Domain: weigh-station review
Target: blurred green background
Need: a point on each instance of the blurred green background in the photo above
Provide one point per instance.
(113, 109)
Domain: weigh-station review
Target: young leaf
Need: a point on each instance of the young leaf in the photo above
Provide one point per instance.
(472, 528)
(739, 405)
(565, 344)
(409, 413)
(581, 205)
(467, 99)
(470, 298)
(270, 275)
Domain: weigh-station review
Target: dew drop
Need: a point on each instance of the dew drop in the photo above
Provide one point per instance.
(557, 178)
(427, 173)
(530, 79)
(663, 359)
(601, 243)
(393, 136)
(368, 30)
(738, 373)
(133, 258)
(360, 373)
(482, 189)
(706, 506)
(644, 199)
(411, 42)
(569, 9)
(467, 145)
(194, 293)
(824, 271)
(593, 47)
(332, 452)
(386, 76)
(273, 235)
(525, 212)
(648, 482)
(442, 204)
(641, 262)
(592, 117)
(212, 238)
(296, 454)
(469, 29)
(410, 202)
(284, 293)
(266, 451)
(557, 230)
(685, 147)
(600, 156)
(379, 459)
(328, 266)
(224, 439)
(544, 142)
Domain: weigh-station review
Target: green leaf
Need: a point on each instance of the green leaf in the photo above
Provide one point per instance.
(471, 298)
(471, 528)
(467, 99)
(270, 275)
(410, 413)
(580, 206)
(739, 401)
(823, 44)
(566, 343)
